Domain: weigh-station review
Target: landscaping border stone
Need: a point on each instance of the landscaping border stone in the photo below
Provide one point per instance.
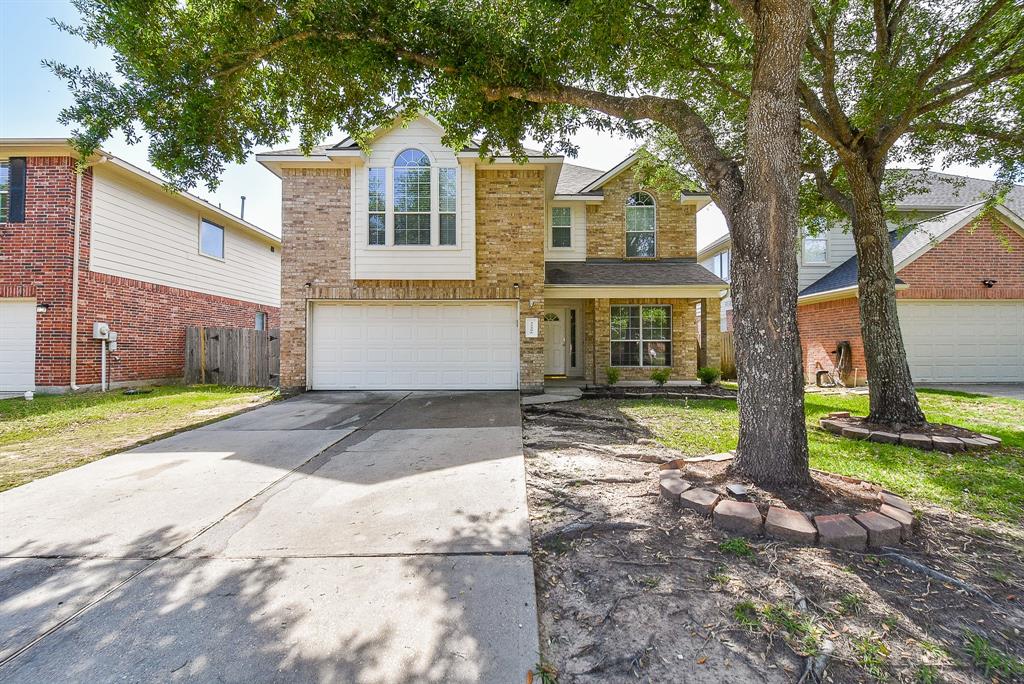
(892, 523)
(841, 423)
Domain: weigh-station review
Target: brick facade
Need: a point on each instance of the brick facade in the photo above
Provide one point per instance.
(951, 270)
(509, 251)
(606, 222)
(597, 327)
(36, 259)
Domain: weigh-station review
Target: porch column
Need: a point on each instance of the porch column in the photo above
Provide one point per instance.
(602, 339)
(711, 332)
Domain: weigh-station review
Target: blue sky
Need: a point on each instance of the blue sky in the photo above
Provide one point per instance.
(32, 97)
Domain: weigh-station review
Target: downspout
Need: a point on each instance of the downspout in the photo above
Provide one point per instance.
(74, 280)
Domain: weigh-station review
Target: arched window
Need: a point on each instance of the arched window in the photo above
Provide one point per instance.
(641, 239)
(412, 198)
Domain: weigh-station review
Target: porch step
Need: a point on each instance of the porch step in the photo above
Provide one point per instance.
(552, 395)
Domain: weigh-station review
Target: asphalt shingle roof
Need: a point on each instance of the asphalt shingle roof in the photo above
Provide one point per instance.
(574, 178)
(904, 243)
(623, 272)
(945, 191)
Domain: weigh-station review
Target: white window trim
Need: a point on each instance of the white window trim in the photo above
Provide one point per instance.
(803, 250)
(626, 230)
(223, 239)
(389, 206)
(641, 340)
(551, 228)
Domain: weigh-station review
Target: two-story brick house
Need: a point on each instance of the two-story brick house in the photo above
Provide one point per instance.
(112, 245)
(409, 265)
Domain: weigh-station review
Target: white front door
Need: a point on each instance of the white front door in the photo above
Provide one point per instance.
(414, 345)
(554, 341)
(17, 345)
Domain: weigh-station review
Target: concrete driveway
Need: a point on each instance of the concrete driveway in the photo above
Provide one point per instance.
(1008, 390)
(334, 537)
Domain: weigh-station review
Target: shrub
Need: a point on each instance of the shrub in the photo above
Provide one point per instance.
(613, 374)
(660, 376)
(709, 375)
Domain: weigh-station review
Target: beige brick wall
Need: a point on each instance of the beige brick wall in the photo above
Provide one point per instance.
(606, 223)
(315, 237)
(684, 339)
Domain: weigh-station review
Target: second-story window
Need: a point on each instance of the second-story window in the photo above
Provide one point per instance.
(641, 238)
(720, 265)
(377, 206)
(211, 239)
(561, 227)
(815, 249)
(412, 198)
(5, 194)
(446, 205)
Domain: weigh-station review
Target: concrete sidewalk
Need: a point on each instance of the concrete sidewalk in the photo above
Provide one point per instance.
(335, 537)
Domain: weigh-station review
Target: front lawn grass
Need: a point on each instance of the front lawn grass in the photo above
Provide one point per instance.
(57, 432)
(986, 484)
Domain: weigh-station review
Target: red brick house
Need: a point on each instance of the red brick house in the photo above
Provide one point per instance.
(960, 296)
(960, 271)
(111, 245)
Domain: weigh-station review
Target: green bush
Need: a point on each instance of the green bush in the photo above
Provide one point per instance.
(709, 375)
(661, 376)
(613, 374)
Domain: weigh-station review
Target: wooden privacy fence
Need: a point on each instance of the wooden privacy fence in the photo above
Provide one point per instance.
(728, 356)
(232, 356)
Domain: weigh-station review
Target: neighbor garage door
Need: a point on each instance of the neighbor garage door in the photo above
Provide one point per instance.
(17, 345)
(964, 341)
(423, 345)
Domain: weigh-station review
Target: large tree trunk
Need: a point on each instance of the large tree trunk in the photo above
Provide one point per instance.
(890, 387)
(772, 446)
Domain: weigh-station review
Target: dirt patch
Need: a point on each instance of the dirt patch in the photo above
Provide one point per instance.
(632, 589)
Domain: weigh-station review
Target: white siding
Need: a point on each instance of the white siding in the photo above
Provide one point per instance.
(840, 248)
(578, 250)
(146, 234)
(415, 262)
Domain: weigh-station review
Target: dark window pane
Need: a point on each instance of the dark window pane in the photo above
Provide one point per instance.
(657, 323)
(625, 353)
(625, 323)
(640, 244)
(377, 231)
(657, 353)
(412, 157)
(572, 338)
(447, 229)
(211, 239)
(412, 229)
(561, 236)
(640, 199)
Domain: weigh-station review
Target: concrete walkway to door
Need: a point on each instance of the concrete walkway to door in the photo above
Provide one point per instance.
(364, 537)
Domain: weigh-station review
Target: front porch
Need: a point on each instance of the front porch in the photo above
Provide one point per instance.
(583, 337)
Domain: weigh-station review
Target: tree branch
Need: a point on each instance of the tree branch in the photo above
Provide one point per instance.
(823, 181)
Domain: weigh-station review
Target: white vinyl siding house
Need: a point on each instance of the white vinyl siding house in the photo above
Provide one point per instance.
(448, 255)
(139, 231)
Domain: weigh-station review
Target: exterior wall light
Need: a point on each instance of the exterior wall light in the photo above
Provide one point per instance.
(988, 282)
(42, 308)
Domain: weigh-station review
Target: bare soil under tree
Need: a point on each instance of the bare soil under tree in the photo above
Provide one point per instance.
(632, 589)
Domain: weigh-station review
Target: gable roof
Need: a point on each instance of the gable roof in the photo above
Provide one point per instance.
(574, 178)
(907, 246)
(945, 191)
(62, 147)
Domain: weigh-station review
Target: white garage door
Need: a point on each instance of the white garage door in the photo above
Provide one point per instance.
(423, 345)
(964, 341)
(17, 345)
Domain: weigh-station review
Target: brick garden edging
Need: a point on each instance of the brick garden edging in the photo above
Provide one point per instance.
(892, 523)
(841, 423)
